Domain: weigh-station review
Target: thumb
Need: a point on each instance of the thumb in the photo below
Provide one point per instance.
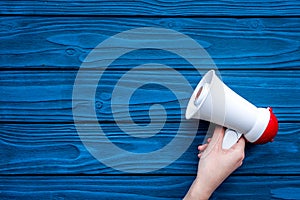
(240, 145)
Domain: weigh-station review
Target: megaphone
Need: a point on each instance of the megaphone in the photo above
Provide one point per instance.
(213, 101)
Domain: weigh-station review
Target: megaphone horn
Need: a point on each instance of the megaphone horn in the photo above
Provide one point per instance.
(213, 101)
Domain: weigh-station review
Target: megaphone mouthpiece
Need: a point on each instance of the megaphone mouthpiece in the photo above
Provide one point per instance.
(270, 131)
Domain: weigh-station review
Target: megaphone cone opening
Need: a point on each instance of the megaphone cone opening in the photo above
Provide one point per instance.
(199, 92)
(199, 95)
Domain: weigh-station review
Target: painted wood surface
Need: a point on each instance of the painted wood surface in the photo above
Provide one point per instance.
(233, 43)
(256, 46)
(152, 7)
(149, 187)
(46, 96)
(57, 149)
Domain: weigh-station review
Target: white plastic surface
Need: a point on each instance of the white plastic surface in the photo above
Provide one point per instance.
(219, 104)
(230, 138)
(261, 123)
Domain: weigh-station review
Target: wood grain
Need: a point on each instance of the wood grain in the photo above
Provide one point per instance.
(141, 187)
(57, 149)
(256, 44)
(64, 42)
(153, 7)
(46, 96)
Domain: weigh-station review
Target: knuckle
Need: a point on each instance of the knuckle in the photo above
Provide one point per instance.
(241, 163)
(241, 155)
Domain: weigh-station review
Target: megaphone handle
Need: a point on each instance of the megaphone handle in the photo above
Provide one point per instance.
(230, 138)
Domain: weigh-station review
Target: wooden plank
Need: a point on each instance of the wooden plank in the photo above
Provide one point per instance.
(153, 7)
(64, 42)
(57, 149)
(141, 187)
(46, 96)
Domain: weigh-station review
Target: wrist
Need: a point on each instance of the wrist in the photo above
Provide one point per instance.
(198, 191)
(203, 188)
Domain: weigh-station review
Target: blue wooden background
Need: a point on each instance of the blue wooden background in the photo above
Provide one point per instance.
(255, 45)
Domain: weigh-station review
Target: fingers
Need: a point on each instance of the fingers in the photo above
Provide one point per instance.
(240, 144)
(202, 147)
(239, 149)
(215, 141)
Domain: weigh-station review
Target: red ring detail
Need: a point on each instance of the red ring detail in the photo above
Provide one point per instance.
(271, 130)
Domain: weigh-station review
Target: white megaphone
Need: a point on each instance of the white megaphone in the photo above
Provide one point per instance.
(213, 101)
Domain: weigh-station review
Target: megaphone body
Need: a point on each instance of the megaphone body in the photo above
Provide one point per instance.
(213, 101)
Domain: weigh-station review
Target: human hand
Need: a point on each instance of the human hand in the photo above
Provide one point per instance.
(215, 165)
